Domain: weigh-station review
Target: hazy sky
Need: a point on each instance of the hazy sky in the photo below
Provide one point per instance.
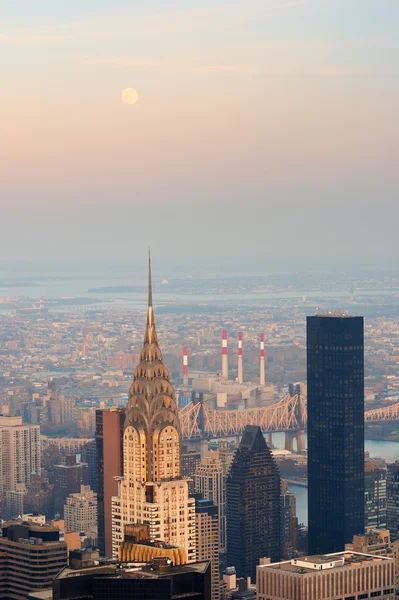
(263, 127)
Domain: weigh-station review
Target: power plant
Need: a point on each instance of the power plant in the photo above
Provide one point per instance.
(221, 390)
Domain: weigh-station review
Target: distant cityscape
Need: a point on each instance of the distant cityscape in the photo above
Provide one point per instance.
(182, 452)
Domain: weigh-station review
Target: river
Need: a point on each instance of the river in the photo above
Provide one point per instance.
(377, 448)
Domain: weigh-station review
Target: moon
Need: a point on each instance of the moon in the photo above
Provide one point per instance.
(130, 96)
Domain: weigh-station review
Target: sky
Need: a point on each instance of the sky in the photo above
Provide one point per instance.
(263, 128)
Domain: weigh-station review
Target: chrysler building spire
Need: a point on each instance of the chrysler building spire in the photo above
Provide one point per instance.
(151, 490)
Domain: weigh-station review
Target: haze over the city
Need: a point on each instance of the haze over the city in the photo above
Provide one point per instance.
(260, 128)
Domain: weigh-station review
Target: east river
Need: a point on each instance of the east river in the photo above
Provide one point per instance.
(377, 448)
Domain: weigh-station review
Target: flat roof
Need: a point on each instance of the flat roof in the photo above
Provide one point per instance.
(132, 570)
(349, 558)
(68, 572)
(32, 526)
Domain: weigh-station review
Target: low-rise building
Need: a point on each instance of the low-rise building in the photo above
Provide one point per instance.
(338, 576)
(377, 542)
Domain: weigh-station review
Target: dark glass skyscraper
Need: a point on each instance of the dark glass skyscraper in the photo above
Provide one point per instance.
(253, 505)
(393, 499)
(335, 367)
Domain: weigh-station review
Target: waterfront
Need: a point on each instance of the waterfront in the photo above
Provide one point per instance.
(377, 448)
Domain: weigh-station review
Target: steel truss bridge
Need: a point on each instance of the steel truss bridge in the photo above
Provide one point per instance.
(198, 419)
(73, 444)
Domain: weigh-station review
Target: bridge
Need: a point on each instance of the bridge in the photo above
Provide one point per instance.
(72, 444)
(387, 413)
(199, 420)
(289, 415)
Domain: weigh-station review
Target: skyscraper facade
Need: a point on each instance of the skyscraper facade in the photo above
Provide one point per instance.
(89, 456)
(80, 513)
(152, 490)
(19, 453)
(289, 522)
(207, 539)
(68, 479)
(393, 499)
(109, 452)
(335, 378)
(253, 505)
(375, 496)
(210, 482)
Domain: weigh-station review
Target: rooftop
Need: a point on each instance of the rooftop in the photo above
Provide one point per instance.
(311, 564)
(133, 570)
(339, 314)
(32, 525)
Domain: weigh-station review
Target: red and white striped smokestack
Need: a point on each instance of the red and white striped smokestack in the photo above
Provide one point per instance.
(185, 367)
(262, 359)
(239, 358)
(225, 360)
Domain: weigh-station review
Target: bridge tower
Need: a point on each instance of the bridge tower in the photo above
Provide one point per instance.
(296, 434)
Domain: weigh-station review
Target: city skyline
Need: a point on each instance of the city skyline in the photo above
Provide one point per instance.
(153, 504)
(244, 442)
(253, 120)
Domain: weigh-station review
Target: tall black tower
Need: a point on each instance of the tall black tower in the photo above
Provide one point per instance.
(335, 366)
(253, 505)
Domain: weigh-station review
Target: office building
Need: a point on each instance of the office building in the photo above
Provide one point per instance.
(253, 505)
(375, 496)
(338, 576)
(19, 453)
(89, 456)
(210, 482)
(377, 542)
(80, 513)
(207, 539)
(335, 405)
(109, 451)
(157, 580)
(189, 462)
(226, 454)
(152, 490)
(289, 522)
(31, 555)
(67, 480)
(393, 499)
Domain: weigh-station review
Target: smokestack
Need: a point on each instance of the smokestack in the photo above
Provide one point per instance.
(225, 360)
(185, 367)
(239, 357)
(262, 359)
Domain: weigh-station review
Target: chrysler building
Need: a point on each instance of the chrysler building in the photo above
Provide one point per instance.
(152, 490)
